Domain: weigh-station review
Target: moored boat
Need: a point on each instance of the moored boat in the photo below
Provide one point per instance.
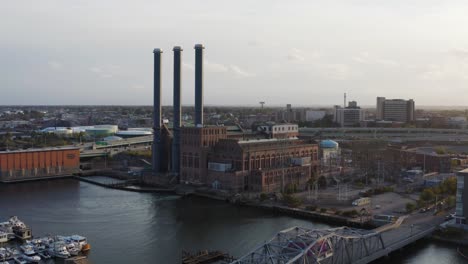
(58, 249)
(5, 254)
(44, 255)
(16, 227)
(3, 237)
(80, 242)
(20, 260)
(29, 254)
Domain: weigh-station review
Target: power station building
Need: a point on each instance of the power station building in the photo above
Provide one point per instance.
(270, 161)
(21, 165)
(266, 164)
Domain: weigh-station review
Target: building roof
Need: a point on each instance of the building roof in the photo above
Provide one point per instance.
(328, 144)
(264, 140)
(38, 150)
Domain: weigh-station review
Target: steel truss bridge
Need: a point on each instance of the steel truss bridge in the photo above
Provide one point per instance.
(328, 246)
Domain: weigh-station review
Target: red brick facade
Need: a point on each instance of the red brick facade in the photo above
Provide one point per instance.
(253, 165)
(25, 164)
(195, 145)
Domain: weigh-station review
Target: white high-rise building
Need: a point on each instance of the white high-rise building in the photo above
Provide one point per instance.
(395, 110)
(349, 116)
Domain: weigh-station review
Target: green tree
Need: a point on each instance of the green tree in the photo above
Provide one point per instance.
(451, 201)
(410, 207)
(427, 195)
(449, 186)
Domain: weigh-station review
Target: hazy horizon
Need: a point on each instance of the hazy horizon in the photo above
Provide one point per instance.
(298, 52)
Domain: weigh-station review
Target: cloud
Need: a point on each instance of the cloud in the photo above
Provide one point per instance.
(460, 53)
(253, 43)
(296, 55)
(138, 87)
(231, 69)
(336, 71)
(366, 58)
(55, 65)
(188, 66)
(107, 71)
(445, 71)
(215, 67)
(95, 69)
(239, 72)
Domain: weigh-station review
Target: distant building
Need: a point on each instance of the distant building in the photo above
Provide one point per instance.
(32, 164)
(457, 122)
(314, 115)
(461, 208)
(279, 130)
(395, 110)
(424, 158)
(349, 116)
(291, 115)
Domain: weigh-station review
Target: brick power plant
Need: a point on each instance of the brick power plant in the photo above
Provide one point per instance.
(268, 159)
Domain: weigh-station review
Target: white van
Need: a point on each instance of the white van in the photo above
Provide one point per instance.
(362, 201)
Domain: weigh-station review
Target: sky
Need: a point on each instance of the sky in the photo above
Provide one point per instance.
(302, 52)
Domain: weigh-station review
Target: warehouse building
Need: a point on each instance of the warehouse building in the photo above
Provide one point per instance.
(22, 165)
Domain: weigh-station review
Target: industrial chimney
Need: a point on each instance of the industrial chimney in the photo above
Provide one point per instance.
(177, 110)
(199, 84)
(157, 151)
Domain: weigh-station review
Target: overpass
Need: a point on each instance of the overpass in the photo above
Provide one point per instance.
(341, 245)
(395, 134)
(109, 148)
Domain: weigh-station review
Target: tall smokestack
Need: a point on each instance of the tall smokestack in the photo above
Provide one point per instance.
(156, 155)
(177, 110)
(199, 84)
(344, 101)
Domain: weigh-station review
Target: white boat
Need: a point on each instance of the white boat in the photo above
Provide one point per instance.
(12, 222)
(13, 251)
(73, 248)
(4, 237)
(58, 249)
(16, 227)
(5, 254)
(27, 249)
(39, 244)
(20, 260)
(80, 241)
(44, 255)
(29, 254)
(31, 258)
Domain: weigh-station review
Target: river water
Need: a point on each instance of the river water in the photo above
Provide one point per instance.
(128, 227)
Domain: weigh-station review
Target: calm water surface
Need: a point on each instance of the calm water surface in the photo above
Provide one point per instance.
(128, 227)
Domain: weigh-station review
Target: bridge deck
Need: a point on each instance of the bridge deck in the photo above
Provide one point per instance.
(341, 245)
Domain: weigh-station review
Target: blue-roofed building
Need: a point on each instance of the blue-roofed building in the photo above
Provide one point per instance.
(329, 144)
(329, 152)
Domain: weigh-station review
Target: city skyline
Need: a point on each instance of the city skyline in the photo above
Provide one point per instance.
(83, 54)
